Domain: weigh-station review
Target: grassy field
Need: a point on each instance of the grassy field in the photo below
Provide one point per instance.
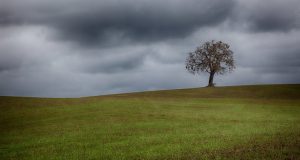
(243, 122)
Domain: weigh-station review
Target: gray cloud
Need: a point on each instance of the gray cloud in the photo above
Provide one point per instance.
(9, 62)
(270, 15)
(80, 48)
(112, 63)
(111, 21)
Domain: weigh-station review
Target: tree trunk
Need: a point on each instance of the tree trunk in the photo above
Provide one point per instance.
(211, 79)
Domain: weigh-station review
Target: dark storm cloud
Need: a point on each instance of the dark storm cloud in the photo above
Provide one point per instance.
(9, 62)
(272, 53)
(282, 61)
(268, 15)
(111, 21)
(113, 63)
(79, 48)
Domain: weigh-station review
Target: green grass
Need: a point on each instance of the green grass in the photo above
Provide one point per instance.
(243, 122)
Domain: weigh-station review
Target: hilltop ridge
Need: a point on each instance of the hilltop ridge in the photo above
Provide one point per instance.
(289, 91)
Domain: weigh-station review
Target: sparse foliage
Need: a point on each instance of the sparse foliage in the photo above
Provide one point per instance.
(212, 57)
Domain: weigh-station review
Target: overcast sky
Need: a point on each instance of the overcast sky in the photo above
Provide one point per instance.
(73, 48)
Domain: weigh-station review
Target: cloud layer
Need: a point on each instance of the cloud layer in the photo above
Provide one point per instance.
(82, 48)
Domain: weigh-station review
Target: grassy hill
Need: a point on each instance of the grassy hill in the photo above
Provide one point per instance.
(240, 122)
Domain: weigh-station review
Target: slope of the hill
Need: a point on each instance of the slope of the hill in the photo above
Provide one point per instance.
(281, 91)
(240, 122)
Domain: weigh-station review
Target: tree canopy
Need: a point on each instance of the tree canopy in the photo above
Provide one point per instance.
(213, 57)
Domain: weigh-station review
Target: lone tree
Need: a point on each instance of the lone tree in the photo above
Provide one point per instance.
(212, 57)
